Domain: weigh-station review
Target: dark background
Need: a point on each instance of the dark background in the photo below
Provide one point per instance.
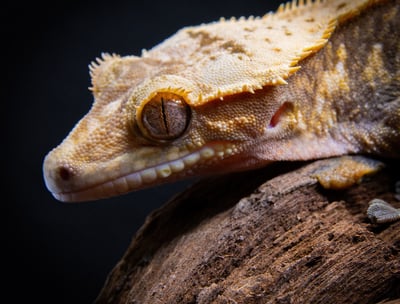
(54, 252)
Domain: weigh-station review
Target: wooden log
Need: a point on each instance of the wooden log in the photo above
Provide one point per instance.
(228, 240)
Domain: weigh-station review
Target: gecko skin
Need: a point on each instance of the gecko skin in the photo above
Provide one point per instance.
(313, 80)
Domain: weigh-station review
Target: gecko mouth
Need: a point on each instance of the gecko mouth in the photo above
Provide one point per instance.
(165, 172)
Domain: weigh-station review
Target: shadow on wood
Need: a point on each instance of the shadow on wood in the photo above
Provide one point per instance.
(229, 240)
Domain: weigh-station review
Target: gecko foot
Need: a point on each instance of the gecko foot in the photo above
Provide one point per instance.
(343, 172)
(380, 212)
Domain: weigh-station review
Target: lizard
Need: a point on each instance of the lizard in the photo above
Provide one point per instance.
(315, 79)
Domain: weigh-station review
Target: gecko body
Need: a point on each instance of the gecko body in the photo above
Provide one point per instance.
(313, 80)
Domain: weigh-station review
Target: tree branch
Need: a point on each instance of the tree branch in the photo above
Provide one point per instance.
(289, 241)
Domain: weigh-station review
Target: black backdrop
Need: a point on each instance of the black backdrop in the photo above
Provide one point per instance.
(54, 252)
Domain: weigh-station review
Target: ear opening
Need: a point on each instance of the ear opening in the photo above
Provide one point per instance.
(279, 114)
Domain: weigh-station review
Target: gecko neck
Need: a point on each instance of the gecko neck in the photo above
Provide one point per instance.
(346, 97)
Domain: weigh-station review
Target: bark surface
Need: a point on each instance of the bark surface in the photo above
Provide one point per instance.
(267, 236)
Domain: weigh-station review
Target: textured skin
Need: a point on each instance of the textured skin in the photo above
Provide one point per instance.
(310, 81)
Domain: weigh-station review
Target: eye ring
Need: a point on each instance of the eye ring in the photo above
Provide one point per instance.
(165, 117)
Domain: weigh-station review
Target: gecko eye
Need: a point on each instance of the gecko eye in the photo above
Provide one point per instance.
(165, 117)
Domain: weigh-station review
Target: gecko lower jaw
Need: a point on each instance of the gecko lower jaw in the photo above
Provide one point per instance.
(158, 174)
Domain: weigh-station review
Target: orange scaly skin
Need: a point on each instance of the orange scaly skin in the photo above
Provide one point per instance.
(313, 80)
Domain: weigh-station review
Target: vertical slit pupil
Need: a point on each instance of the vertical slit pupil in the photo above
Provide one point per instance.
(164, 116)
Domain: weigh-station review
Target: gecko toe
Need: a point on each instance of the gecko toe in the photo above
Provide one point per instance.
(380, 212)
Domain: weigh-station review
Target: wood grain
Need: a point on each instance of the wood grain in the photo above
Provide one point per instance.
(267, 236)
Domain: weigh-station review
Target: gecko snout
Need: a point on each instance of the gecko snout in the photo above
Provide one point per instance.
(58, 177)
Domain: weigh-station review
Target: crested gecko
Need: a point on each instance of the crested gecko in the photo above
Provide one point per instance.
(312, 80)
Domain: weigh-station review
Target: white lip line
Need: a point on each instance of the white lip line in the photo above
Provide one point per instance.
(100, 185)
(206, 151)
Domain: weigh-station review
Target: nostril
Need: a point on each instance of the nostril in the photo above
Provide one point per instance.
(60, 176)
(64, 173)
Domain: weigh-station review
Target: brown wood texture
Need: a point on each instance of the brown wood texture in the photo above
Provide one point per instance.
(266, 236)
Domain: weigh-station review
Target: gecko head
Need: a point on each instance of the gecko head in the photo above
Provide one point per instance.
(150, 133)
(187, 107)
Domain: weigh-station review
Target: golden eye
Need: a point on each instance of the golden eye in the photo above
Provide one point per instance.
(165, 117)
